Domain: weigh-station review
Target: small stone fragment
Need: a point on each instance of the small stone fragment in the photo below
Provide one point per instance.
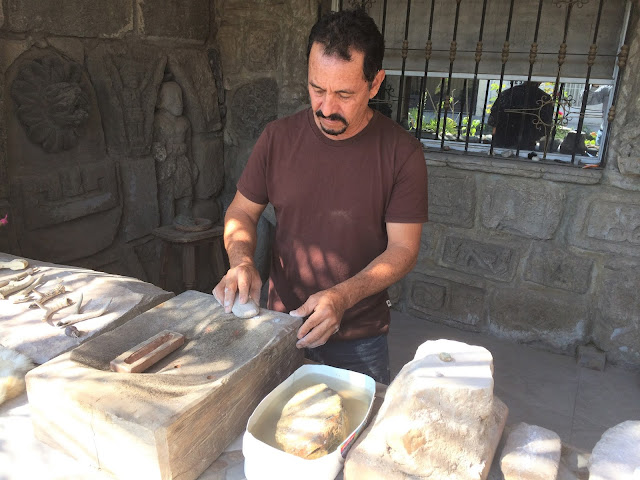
(531, 453)
(312, 423)
(72, 332)
(245, 310)
(616, 456)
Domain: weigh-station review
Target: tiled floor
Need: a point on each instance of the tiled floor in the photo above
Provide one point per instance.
(539, 387)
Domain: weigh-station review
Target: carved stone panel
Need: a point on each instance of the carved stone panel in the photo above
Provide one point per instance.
(140, 194)
(192, 71)
(478, 258)
(557, 321)
(558, 268)
(126, 81)
(208, 155)
(609, 222)
(452, 197)
(261, 48)
(64, 189)
(445, 300)
(523, 207)
(51, 102)
(73, 18)
(252, 106)
(617, 324)
(174, 18)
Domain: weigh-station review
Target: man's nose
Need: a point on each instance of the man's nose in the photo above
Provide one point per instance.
(328, 105)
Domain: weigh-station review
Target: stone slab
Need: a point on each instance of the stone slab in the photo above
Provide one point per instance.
(140, 215)
(174, 420)
(616, 456)
(531, 453)
(439, 419)
(75, 18)
(22, 329)
(174, 19)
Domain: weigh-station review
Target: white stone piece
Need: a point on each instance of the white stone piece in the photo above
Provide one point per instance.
(438, 421)
(13, 367)
(531, 453)
(616, 456)
(245, 310)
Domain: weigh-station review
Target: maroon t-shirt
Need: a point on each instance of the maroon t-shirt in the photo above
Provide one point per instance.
(332, 199)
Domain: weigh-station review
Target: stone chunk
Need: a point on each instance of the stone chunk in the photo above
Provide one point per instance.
(439, 419)
(616, 456)
(531, 453)
(312, 423)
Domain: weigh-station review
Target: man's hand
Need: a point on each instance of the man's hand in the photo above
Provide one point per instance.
(325, 309)
(244, 280)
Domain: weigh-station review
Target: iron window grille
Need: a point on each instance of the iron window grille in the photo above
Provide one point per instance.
(447, 61)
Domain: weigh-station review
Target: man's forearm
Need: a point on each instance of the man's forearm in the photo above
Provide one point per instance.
(386, 269)
(239, 237)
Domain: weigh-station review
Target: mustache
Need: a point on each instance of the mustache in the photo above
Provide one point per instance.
(333, 116)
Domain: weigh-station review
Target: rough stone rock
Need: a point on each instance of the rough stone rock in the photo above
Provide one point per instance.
(245, 310)
(13, 367)
(312, 423)
(439, 419)
(531, 453)
(75, 18)
(616, 456)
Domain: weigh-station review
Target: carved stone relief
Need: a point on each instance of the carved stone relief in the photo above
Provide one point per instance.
(452, 197)
(51, 102)
(608, 222)
(175, 172)
(478, 258)
(441, 299)
(261, 48)
(558, 268)
(64, 189)
(126, 81)
(253, 106)
(523, 207)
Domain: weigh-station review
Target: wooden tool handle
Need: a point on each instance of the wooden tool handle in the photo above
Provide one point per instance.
(145, 354)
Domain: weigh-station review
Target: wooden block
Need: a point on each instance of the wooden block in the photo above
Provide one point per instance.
(176, 418)
(145, 354)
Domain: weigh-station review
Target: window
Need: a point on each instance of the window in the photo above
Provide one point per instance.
(547, 69)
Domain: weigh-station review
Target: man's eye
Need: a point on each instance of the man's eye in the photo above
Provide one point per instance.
(344, 96)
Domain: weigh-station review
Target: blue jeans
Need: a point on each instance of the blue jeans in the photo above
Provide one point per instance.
(367, 355)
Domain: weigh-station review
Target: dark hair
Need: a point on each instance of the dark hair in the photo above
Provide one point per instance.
(340, 31)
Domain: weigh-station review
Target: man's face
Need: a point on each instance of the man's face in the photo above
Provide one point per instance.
(339, 93)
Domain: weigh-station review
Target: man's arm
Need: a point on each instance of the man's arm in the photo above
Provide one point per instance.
(240, 239)
(328, 306)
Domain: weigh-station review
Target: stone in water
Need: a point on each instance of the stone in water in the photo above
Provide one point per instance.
(312, 423)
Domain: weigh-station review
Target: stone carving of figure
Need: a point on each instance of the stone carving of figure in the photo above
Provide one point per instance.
(175, 173)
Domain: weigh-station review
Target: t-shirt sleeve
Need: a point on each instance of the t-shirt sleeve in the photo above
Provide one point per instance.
(409, 202)
(253, 181)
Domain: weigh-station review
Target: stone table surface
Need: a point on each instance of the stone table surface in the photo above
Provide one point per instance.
(22, 328)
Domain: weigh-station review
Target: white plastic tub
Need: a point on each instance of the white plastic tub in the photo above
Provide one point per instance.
(263, 461)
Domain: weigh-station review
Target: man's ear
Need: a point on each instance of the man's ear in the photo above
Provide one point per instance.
(375, 85)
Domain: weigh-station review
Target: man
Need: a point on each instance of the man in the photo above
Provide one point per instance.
(600, 94)
(349, 189)
(526, 107)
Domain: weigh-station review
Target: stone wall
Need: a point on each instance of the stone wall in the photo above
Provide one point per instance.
(544, 254)
(118, 115)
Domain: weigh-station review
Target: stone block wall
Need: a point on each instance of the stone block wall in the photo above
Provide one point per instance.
(543, 254)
